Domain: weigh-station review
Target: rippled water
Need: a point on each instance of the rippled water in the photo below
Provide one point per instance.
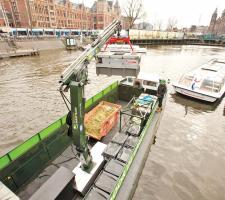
(29, 98)
(188, 159)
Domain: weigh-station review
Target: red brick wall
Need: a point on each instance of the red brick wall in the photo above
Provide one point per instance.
(2, 22)
(49, 14)
(23, 13)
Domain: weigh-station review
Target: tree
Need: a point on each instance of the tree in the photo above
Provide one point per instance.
(158, 24)
(172, 22)
(134, 11)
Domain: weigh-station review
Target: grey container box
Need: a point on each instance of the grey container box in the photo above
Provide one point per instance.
(114, 167)
(96, 193)
(106, 182)
(124, 154)
(119, 138)
(117, 71)
(121, 64)
(111, 150)
(131, 142)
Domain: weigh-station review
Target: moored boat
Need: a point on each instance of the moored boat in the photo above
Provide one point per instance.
(206, 83)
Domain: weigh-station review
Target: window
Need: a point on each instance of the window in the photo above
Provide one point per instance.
(99, 60)
(186, 80)
(217, 86)
(130, 79)
(207, 85)
(150, 83)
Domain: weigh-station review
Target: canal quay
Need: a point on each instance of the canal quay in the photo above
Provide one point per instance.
(188, 158)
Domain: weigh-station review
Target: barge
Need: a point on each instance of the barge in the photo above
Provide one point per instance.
(64, 161)
(30, 165)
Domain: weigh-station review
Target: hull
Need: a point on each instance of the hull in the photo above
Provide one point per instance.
(195, 95)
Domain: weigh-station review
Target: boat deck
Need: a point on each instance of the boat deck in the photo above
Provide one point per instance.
(68, 159)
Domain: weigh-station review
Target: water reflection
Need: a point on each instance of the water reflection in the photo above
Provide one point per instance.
(187, 160)
(194, 105)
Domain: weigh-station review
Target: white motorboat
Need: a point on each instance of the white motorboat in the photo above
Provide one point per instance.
(206, 83)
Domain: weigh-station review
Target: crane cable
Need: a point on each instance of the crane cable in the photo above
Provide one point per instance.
(65, 99)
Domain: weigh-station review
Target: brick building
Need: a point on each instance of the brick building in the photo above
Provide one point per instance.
(2, 20)
(217, 24)
(5, 16)
(104, 12)
(59, 14)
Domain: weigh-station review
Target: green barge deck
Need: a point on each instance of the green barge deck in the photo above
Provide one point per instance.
(31, 164)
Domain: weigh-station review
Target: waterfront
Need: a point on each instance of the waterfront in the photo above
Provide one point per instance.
(188, 159)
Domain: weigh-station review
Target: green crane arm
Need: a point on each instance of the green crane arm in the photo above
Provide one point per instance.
(74, 78)
(74, 70)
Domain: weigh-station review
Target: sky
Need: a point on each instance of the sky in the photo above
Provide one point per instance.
(187, 13)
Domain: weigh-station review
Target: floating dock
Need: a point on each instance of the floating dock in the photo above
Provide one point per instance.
(19, 53)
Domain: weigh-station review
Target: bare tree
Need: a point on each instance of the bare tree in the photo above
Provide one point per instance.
(134, 10)
(172, 22)
(158, 24)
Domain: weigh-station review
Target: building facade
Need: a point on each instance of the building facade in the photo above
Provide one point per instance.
(104, 12)
(217, 24)
(58, 14)
(5, 16)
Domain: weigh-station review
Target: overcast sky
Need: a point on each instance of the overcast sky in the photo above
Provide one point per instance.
(187, 12)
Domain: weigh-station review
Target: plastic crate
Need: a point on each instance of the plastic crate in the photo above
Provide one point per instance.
(106, 124)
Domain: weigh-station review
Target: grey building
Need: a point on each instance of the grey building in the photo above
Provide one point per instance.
(217, 24)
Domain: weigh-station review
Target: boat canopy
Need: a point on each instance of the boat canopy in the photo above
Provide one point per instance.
(208, 83)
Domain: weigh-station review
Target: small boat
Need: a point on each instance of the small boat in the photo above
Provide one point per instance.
(206, 83)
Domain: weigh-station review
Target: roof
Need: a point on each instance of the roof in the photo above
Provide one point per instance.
(213, 70)
(148, 77)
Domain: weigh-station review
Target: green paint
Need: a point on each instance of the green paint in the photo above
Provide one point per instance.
(4, 161)
(127, 166)
(63, 120)
(15, 153)
(107, 90)
(114, 85)
(50, 129)
(97, 97)
(88, 103)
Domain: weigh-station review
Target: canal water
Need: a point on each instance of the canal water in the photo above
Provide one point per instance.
(188, 159)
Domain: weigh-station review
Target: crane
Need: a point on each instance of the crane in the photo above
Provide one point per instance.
(74, 78)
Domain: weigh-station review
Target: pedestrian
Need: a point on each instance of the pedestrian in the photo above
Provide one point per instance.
(161, 91)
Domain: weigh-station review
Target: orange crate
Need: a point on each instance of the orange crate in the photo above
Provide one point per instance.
(100, 120)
